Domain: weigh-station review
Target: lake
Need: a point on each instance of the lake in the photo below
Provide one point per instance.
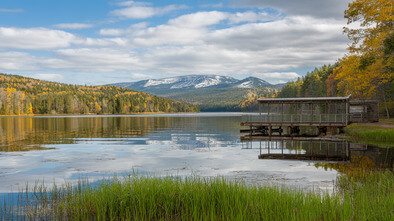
(59, 149)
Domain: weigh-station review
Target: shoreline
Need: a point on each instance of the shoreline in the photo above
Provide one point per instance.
(89, 115)
(360, 196)
(379, 133)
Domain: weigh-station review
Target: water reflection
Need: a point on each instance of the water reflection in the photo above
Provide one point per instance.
(363, 157)
(65, 148)
(31, 133)
(341, 154)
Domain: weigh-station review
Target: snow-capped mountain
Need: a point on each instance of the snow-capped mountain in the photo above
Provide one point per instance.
(251, 82)
(191, 82)
(209, 92)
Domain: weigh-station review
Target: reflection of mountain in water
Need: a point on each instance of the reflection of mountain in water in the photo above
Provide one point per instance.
(203, 132)
(183, 131)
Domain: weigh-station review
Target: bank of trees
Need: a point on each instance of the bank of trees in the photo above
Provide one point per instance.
(366, 71)
(316, 83)
(21, 95)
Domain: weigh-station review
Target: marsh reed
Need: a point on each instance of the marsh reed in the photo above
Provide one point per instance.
(134, 197)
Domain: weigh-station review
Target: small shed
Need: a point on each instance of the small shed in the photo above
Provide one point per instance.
(320, 110)
(289, 116)
(362, 111)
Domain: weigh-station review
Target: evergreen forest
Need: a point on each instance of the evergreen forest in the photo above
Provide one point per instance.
(21, 95)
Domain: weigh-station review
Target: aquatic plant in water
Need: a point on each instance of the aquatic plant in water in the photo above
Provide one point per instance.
(361, 197)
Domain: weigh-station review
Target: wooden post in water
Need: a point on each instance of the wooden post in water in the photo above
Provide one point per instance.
(260, 147)
(282, 146)
(260, 109)
(282, 112)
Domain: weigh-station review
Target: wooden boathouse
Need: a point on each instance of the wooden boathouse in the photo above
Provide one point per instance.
(283, 121)
(285, 116)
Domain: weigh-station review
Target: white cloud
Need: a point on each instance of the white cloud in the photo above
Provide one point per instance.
(314, 8)
(139, 76)
(73, 26)
(268, 45)
(199, 19)
(95, 60)
(277, 75)
(47, 39)
(112, 32)
(118, 32)
(101, 42)
(291, 32)
(186, 29)
(34, 38)
(250, 16)
(16, 61)
(48, 77)
(142, 11)
(137, 12)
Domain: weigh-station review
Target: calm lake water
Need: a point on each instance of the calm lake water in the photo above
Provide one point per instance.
(65, 148)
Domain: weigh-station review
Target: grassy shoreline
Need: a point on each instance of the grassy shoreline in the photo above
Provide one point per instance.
(364, 197)
(371, 134)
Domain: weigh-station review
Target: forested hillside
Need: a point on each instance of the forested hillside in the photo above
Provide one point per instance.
(21, 95)
(222, 99)
(208, 92)
(314, 84)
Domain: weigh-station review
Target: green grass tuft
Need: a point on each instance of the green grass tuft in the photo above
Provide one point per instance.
(368, 197)
(371, 134)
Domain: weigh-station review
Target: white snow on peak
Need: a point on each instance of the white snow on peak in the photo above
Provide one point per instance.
(246, 84)
(209, 82)
(161, 81)
(196, 81)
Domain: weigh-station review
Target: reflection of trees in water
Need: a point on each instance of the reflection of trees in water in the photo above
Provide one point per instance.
(19, 133)
(352, 155)
(364, 159)
(27, 133)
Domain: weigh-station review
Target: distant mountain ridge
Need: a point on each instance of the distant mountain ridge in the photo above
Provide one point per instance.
(209, 92)
(191, 82)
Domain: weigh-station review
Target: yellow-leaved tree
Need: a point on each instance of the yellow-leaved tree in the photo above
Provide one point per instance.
(367, 70)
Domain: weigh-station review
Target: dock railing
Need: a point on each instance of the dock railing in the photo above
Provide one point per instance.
(296, 118)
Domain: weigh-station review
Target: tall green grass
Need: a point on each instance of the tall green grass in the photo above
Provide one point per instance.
(153, 198)
(371, 134)
(370, 194)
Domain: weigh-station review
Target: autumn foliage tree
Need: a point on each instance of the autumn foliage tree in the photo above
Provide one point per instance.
(21, 95)
(367, 70)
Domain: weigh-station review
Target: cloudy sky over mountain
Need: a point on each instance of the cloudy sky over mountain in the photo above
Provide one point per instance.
(107, 41)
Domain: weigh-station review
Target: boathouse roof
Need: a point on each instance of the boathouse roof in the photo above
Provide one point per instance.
(304, 100)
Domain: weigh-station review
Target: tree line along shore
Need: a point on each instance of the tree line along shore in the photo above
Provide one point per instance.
(25, 96)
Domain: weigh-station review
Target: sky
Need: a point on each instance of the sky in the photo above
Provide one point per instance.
(95, 42)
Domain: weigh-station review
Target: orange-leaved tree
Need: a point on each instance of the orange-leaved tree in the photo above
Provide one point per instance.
(367, 70)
